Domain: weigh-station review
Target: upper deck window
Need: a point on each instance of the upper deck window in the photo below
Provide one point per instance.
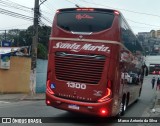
(84, 21)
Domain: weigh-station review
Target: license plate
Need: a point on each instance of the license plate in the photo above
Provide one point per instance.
(76, 107)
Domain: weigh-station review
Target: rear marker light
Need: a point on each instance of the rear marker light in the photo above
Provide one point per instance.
(48, 102)
(103, 111)
(57, 11)
(85, 9)
(116, 12)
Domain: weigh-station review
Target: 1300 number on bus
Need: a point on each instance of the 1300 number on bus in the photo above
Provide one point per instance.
(76, 85)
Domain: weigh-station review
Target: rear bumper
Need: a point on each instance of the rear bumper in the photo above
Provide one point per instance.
(80, 107)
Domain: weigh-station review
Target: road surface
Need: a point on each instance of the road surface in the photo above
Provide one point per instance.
(39, 109)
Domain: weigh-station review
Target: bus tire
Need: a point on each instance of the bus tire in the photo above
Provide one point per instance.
(140, 92)
(123, 107)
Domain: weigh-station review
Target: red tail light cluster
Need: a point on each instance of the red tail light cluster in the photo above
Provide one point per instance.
(107, 96)
(48, 85)
(108, 93)
(49, 88)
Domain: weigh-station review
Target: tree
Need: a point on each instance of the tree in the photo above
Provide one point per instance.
(24, 38)
(42, 51)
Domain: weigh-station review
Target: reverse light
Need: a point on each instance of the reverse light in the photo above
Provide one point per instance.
(49, 88)
(107, 96)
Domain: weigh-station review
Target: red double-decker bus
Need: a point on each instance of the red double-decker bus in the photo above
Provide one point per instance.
(95, 62)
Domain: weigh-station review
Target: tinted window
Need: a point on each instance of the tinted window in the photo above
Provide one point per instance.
(84, 21)
(128, 38)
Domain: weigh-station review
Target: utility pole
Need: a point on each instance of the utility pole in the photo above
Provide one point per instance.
(34, 47)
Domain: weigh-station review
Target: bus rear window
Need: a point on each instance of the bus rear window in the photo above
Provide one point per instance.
(84, 21)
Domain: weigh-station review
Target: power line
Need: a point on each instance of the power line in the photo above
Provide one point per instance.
(122, 9)
(15, 4)
(46, 19)
(142, 27)
(47, 6)
(127, 11)
(142, 23)
(15, 7)
(14, 14)
(72, 2)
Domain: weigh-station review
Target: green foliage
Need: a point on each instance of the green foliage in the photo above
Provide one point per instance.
(42, 51)
(24, 38)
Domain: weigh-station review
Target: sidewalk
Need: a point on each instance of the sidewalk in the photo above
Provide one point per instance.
(17, 97)
(155, 112)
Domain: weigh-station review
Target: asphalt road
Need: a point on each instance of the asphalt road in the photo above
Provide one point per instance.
(39, 109)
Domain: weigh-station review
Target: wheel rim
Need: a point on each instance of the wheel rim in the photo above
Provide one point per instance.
(121, 108)
(124, 106)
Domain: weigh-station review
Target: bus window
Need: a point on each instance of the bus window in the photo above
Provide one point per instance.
(84, 21)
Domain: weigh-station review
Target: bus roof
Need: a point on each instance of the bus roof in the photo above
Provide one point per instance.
(88, 9)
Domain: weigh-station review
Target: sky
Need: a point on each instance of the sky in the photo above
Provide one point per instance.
(141, 15)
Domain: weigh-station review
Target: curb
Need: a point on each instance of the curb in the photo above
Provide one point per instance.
(21, 97)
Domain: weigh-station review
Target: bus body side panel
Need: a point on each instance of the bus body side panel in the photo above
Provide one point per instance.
(114, 74)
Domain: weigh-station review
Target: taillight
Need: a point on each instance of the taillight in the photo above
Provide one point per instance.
(49, 90)
(116, 12)
(57, 11)
(159, 72)
(107, 96)
(103, 111)
(48, 102)
(153, 72)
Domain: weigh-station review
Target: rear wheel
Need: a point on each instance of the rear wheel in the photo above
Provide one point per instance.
(140, 92)
(123, 107)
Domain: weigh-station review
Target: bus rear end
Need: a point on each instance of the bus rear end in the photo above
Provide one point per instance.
(82, 62)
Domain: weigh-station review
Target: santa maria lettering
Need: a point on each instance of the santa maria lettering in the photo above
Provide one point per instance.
(76, 47)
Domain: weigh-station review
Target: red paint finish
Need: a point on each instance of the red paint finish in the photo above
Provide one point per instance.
(85, 69)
